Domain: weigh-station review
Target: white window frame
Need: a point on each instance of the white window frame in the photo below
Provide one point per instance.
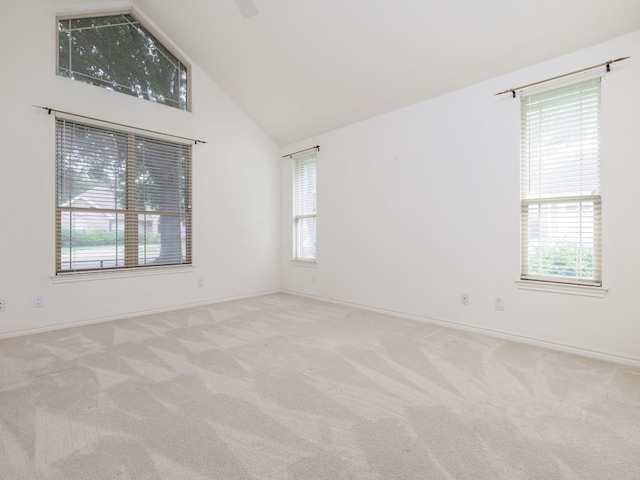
(305, 207)
(560, 186)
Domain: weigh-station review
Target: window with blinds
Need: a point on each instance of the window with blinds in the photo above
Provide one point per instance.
(304, 187)
(123, 200)
(560, 190)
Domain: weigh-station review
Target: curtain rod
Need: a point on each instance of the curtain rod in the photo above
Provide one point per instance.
(51, 109)
(290, 155)
(608, 65)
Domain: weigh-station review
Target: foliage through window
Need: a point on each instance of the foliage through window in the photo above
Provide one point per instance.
(561, 204)
(304, 185)
(123, 199)
(118, 53)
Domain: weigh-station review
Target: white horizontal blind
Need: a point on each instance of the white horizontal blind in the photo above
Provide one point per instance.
(304, 186)
(560, 190)
(123, 200)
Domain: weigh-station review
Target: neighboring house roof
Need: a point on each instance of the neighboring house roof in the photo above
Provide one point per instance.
(98, 197)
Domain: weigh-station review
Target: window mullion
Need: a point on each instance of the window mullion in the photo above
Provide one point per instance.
(131, 217)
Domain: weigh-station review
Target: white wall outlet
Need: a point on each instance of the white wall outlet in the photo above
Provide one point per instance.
(464, 298)
(499, 304)
(3, 304)
(200, 282)
(38, 301)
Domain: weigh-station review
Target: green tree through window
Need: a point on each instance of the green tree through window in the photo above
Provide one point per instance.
(118, 53)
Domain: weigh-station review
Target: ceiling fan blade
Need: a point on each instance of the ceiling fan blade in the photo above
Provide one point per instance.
(247, 8)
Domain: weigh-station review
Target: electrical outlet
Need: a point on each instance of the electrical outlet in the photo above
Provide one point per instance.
(38, 301)
(464, 298)
(3, 304)
(499, 304)
(200, 282)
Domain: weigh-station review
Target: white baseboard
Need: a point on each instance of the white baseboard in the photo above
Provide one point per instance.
(575, 350)
(585, 352)
(80, 323)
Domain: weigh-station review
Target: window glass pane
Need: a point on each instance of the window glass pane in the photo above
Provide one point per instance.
(562, 239)
(306, 238)
(305, 187)
(93, 162)
(157, 247)
(161, 175)
(561, 141)
(118, 53)
(161, 186)
(90, 240)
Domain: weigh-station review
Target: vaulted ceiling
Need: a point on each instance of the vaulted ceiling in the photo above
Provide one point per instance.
(303, 67)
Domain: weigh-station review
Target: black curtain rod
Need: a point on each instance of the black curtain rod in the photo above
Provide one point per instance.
(608, 65)
(50, 109)
(290, 155)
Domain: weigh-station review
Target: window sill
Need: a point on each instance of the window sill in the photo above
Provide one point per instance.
(304, 263)
(550, 287)
(124, 273)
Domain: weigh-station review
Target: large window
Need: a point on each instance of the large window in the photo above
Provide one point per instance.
(561, 205)
(116, 52)
(304, 186)
(123, 199)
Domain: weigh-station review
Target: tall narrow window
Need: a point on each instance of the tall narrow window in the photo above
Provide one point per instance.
(560, 174)
(118, 53)
(304, 186)
(123, 200)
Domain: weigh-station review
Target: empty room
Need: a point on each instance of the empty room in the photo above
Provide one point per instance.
(303, 239)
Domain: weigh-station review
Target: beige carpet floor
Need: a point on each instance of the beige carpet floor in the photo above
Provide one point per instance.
(282, 387)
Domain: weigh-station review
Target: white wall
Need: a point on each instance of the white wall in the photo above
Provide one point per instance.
(422, 204)
(235, 190)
